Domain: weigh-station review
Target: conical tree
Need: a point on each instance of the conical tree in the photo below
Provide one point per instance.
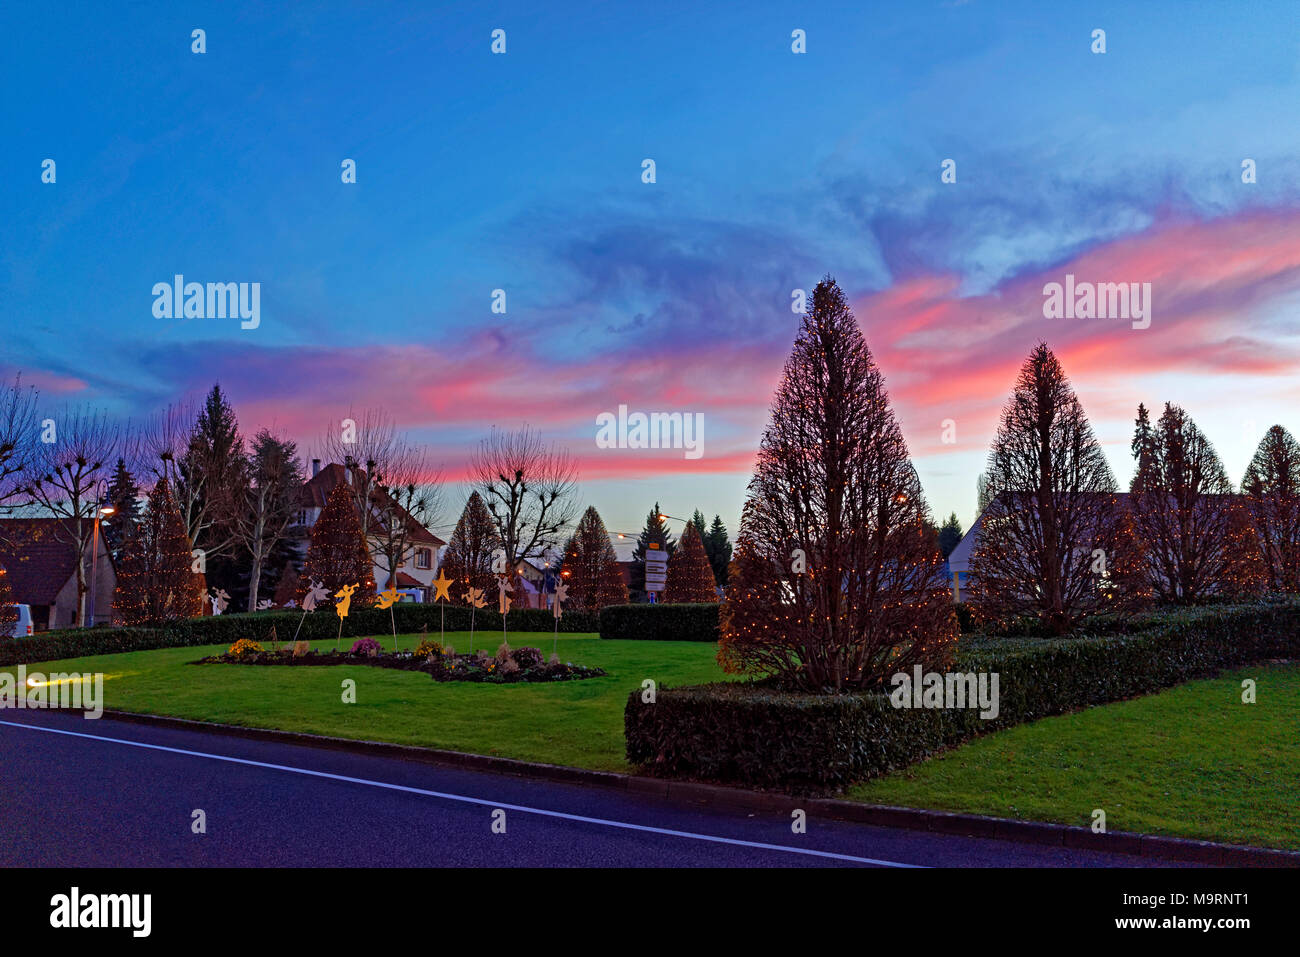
(337, 555)
(1272, 490)
(1055, 541)
(590, 567)
(834, 584)
(467, 560)
(124, 496)
(156, 581)
(690, 576)
(718, 547)
(1198, 537)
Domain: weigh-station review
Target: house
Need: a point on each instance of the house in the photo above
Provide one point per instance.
(420, 567)
(41, 567)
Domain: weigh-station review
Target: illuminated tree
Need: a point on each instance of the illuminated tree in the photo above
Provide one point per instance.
(834, 584)
(690, 576)
(1198, 536)
(337, 556)
(156, 582)
(467, 560)
(8, 611)
(590, 567)
(1272, 490)
(1055, 541)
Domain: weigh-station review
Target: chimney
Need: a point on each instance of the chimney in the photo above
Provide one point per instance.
(315, 467)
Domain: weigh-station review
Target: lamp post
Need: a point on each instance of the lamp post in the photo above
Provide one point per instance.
(100, 513)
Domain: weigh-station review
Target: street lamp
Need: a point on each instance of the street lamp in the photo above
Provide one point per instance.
(102, 512)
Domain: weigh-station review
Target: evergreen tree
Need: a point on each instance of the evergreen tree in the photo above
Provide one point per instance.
(698, 521)
(690, 576)
(124, 497)
(155, 580)
(834, 586)
(949, 535)
(213, 478)
(1272, 490)
(718, 547)
(590, 567)
(270, 504)
(656, 530)
(337, 555)
(467, 560)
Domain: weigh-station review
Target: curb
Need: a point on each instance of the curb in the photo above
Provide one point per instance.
(1155, 847)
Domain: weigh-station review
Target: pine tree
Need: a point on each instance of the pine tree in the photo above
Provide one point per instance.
(656, 530)
(155, 580)
(467, 560)
(1055, 542)
(337, 556)
(690, 576)
(213, 477)
(1198, 536)
(950, 535)
(590, 567)
(718, 547)
(1272, 490)
(124, 497)
(834, 585)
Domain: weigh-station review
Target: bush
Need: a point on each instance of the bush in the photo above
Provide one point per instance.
(753, 735)
(366, 646)
(320, 624)
(666, 622)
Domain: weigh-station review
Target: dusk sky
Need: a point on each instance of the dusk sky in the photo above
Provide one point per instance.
(523, 171)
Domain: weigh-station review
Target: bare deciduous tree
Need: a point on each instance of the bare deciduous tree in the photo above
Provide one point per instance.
(527, 487)
(64, 479)
(1055, 540)
(18, 442)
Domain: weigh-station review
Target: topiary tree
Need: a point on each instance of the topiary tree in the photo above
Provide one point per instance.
(690, 576)
(337, 555)
(1272, 490)
(1055, 541)
(467, 560)
(590, 567)
(834, 584)
(155, 578)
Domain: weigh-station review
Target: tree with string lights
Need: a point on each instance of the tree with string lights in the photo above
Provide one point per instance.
(590, 567)
(337, 555)
(834, 584)
(156, 582)
(690, 576)
(467, 560)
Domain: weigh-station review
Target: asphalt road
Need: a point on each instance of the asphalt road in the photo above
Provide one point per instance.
(103, 793)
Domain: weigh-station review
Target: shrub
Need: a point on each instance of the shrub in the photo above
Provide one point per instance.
(244, 648)
(426, 648)
(366, 646)
(754, 735)
(681, 622)
(528, 658)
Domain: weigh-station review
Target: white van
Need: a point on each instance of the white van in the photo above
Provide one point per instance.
(23, 627)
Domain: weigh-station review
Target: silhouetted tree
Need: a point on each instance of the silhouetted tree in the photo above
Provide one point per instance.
(590, 567)
(467, 560)
(834, 585)
(949, 535)
(1272, 490)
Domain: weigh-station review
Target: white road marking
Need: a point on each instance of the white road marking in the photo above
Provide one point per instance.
(472, 800)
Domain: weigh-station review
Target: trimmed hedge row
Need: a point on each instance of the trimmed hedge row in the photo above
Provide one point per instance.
(661, 622)
(323, 623)
(751, 734)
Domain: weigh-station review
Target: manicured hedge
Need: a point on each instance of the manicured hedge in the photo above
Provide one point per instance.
(227, 629)
(660, 622)
(751, 734)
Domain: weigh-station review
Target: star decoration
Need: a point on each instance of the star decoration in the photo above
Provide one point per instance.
(442, 583)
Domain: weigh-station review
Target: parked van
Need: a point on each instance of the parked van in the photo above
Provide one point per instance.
(23, 627)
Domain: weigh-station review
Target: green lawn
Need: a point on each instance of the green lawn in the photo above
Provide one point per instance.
(1192, 761)
(577, 723)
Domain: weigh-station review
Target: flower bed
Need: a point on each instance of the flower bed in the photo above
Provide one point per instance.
(509, 666)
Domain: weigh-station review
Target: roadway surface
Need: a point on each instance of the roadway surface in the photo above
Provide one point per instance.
(104, 793)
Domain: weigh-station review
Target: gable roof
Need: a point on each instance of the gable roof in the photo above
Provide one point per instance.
(37, 559)
(316, 492)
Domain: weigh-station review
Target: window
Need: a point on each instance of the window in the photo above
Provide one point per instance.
(423, 558)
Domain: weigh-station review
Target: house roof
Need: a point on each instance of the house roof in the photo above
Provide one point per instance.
(37, 558)
(316, 492)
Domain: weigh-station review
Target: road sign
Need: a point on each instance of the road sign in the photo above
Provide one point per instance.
(656, 569)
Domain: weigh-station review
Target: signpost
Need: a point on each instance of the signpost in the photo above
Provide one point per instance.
(656, 569)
